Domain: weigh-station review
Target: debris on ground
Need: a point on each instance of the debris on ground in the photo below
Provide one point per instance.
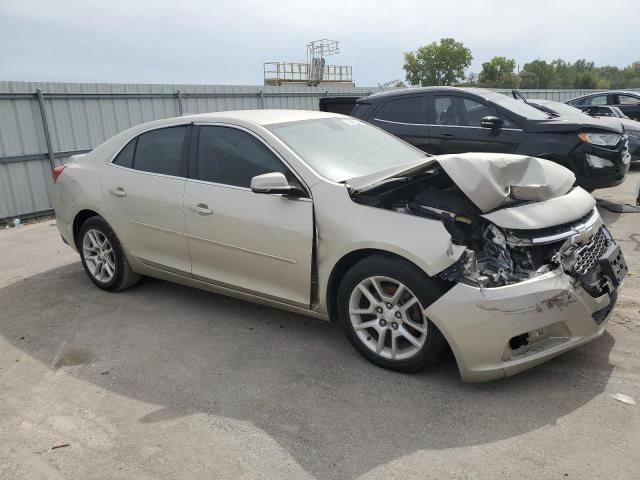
(62, 445)
(621, 397)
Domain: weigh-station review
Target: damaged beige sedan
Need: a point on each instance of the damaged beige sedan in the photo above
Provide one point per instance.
(497, 257)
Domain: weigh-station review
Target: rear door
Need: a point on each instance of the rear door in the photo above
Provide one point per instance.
(404, 117)
(257, 243)
(143, 188)
(454, 126)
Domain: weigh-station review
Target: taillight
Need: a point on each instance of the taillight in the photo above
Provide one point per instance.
(57, 171)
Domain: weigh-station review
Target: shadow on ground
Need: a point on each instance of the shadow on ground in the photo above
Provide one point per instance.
(295, 378)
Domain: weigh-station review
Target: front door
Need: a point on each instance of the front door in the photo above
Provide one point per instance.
(257, 243)
(144, 188)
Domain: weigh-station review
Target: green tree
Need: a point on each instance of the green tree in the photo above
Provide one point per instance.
(499, 73)
(437, 63)
(543, 70)
(565, 74)
(528, 80)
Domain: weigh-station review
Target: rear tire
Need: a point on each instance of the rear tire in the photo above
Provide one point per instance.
(380, 303)
(103, 257)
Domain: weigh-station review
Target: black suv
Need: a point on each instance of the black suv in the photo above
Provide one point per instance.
(454, 120)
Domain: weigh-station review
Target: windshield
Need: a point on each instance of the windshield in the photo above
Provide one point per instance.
(561, 109)
(341, 148)
(516, 106)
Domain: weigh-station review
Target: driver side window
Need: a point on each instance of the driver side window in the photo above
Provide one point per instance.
(459, 111)
(230, 156)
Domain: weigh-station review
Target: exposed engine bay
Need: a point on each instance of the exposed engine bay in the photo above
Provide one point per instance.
(496, 256)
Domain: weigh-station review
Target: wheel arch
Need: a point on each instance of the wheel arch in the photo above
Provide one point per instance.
(343, 265)
(81, 217)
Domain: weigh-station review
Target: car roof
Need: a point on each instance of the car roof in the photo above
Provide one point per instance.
(260, 117)
(608, 92)
(414, 90)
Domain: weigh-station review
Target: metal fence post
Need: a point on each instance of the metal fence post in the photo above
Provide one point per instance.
(179, 98)
(45, 127)
(261, 99)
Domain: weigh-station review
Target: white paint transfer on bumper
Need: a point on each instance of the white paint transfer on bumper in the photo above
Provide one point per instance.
(478, 323)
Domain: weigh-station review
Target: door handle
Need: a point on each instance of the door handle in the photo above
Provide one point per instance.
(118, 192)
(447, 135)
(201, 209)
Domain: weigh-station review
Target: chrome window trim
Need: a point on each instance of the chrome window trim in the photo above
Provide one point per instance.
(245, 189)
(144, 172)
(470, 126)
(401, 123)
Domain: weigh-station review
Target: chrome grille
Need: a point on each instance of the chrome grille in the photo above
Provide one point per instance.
(587, 256)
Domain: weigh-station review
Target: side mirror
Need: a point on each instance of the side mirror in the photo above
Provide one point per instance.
(274, 182)
(494, 123)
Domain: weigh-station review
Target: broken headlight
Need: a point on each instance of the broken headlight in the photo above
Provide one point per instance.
(492, 261)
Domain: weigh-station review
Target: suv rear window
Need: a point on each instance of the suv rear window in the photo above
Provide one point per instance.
(402, 110)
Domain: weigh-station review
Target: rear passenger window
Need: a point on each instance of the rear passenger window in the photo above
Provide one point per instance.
(125, 157)
(402, 110)
(160, 151)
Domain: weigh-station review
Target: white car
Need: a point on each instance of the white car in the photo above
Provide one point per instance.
(497, 257)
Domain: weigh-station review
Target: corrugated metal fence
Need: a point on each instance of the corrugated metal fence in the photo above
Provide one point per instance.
(81, 116)
(42, 124)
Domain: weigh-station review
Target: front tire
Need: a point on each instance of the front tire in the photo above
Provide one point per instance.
(380, 304)
(103, 257)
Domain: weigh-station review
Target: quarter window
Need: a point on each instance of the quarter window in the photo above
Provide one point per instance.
(232, 157)
(402, 110)
(125, 157)
(160, 151)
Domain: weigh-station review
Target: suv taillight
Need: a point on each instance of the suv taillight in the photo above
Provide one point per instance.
(57, 171)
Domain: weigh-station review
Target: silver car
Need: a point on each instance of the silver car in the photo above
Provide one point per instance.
(497, 257)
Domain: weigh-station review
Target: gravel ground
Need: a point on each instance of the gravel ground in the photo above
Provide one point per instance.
(163, 381)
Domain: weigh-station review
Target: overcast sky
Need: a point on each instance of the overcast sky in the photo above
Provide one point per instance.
(226, 42)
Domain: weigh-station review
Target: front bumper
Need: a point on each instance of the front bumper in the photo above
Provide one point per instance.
(479, 324)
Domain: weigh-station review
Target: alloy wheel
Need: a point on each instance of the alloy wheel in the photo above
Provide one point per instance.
(388, 318)
(98, 255)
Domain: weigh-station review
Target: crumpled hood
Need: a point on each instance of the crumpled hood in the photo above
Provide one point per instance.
(488, 179)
